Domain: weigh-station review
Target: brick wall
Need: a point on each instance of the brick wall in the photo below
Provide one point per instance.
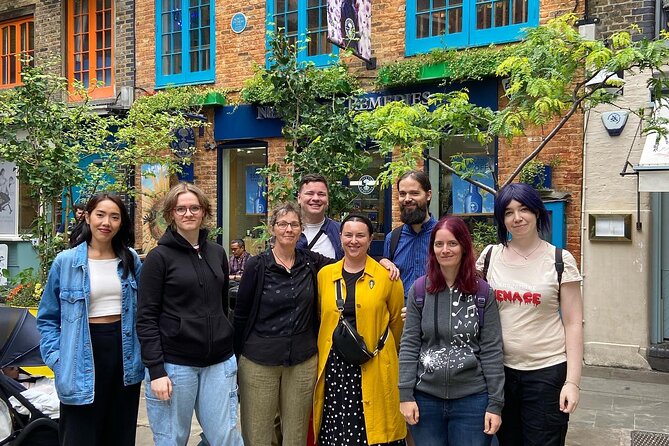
(237, 54)
(51, 33)
(618, 15)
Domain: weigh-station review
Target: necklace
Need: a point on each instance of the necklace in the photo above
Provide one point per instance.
(526, 256)
(284, 263)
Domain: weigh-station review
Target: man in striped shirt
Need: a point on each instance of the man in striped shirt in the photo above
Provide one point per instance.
(409, 252)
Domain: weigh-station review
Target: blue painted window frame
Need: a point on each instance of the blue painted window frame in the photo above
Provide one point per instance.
(186, 77)
(319, 60)
(469, 36)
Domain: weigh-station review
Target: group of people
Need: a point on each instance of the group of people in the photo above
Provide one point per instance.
(499, 350)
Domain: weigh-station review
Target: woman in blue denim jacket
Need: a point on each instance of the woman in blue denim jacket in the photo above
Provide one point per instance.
(87, 321)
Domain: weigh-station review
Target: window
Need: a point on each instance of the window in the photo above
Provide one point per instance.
(463, 23)
(90, 45)
(17, 209)
(185, 42)
(18, 42)
(302, 20)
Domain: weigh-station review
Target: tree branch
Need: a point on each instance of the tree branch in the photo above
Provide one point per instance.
(469, 180)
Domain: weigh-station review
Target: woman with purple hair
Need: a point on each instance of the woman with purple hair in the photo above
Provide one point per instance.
(451, 374)
(537, 288)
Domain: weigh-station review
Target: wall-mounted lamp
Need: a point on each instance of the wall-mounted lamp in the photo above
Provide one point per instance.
(611, 82)
(614, 121)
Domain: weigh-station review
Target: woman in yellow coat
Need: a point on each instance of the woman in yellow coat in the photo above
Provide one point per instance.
(358, 404)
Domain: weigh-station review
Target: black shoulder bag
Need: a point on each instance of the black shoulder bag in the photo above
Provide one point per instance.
(347, 341)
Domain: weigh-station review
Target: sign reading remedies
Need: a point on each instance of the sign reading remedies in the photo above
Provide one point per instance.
(366, 102)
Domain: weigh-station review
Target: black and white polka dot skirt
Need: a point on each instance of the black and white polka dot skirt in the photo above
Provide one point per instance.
(343, 421)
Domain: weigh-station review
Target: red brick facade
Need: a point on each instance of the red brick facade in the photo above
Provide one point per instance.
(238, 54)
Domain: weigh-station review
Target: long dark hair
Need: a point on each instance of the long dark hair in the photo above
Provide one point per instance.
(466, 278)
(121, 241)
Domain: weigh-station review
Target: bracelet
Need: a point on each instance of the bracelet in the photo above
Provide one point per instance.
(572, 382)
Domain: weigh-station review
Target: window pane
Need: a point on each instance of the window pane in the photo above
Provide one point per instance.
(292, 23)
(292, 5)
(519, 11)
(454, 20)
(280, 6)
(312, 19)
(483, 15)
(422, 25)
(438, 23)
(176, 63)
(167, 66)
(422, 5)
(194, 39)
(12, 40)
(502, 13)
(438, 4)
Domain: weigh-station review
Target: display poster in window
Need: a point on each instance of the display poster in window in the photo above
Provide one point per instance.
(155, 185)
(256, 202)
(350, 25)
(469, 199)
(8, 209)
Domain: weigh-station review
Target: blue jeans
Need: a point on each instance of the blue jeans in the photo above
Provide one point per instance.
(210, 391)
(457, 422)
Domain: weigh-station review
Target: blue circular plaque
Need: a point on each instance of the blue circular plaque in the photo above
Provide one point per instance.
(238, 22)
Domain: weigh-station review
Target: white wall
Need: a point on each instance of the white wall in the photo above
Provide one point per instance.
(616, 287)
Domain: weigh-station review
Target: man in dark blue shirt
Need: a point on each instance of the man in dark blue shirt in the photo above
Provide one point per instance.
(410, 250)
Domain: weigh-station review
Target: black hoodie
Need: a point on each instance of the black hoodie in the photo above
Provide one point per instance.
(182, 296)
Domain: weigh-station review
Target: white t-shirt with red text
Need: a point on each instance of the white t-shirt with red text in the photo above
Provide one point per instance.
(527, 297)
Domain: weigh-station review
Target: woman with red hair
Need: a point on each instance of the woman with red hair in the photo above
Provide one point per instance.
(451, 373)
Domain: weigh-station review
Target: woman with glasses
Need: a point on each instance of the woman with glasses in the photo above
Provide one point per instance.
(276, 327)
(185, 336)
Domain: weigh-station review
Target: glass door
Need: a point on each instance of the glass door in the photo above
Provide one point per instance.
(242, 203)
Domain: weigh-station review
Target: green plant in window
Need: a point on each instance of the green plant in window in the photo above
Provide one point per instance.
(534, 174)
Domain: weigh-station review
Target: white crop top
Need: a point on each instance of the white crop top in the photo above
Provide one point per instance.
(105, 288)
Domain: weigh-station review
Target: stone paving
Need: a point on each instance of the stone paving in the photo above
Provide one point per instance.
(614, 402)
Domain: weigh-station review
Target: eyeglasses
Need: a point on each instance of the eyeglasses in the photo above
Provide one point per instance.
(181, 210)
(283, 225)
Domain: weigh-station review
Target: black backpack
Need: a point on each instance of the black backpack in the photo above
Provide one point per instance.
(394, 241)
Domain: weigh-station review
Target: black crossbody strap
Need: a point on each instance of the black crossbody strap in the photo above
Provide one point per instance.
(340, 307)
(315, 239)
(340, 299)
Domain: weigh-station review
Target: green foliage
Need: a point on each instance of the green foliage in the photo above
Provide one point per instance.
(46, 136)
(483, 234)
(468, 64)
(322, 135)
(547, 74)
(534, 174)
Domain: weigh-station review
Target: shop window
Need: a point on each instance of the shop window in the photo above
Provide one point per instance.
(463, 23)
(185, 42)
(370, 200)
(303, 22)
(17, 44)
(17, 209)
(90, 52)
(455, 196)
(245, 206)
